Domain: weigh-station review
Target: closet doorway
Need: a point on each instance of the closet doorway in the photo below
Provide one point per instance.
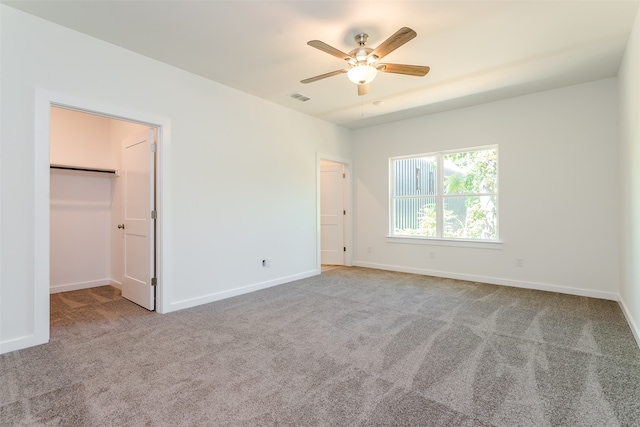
(102, 204)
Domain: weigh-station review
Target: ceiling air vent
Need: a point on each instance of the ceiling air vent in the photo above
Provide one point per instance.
(299, 97)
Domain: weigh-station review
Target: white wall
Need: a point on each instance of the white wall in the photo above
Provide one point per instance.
(80, 228)
(79, 139)
(629, 94)
(239, 172)
(80, 245)
(557, 183)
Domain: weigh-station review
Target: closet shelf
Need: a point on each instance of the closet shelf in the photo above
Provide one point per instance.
(83, 169)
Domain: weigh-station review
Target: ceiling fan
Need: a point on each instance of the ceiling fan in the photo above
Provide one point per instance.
(363, 61)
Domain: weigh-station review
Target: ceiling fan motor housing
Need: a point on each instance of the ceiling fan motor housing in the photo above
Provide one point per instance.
(361, 39)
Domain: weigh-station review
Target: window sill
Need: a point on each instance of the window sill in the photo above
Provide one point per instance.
(461, 243)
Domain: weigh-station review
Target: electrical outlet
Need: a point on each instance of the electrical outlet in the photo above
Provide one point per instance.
(519, 262)
(368, 249)
(432, 255)
(266, 262)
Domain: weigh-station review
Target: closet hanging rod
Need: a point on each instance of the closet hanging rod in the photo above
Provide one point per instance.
(76, 168)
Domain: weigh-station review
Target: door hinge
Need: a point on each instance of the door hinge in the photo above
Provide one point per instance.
(154, 281)
(154, 148)
(344, 212)
(154, 214)
(344, 249)
(344, 175)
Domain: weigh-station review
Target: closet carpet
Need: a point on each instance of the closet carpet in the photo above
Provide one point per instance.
(351, 346)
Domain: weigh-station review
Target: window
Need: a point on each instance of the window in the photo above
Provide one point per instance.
(447, 195)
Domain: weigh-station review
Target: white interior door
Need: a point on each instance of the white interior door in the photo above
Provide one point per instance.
(332, 213)
(138, 175)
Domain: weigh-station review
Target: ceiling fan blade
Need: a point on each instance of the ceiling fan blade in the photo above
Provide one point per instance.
(411, 70)
(363, 89)
(329, 49)
(323, 76)
(401, 36)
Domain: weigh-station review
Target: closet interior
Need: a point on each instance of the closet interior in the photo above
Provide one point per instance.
(86, 245)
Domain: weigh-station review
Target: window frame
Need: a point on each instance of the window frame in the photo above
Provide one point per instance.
(440, 197)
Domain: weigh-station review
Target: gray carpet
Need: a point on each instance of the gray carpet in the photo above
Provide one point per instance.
(353, 346)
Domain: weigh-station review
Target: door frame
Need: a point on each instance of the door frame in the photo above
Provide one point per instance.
(348, 206)
(44, 100)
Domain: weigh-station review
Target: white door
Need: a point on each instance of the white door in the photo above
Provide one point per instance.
(331, 213)
(138, 167)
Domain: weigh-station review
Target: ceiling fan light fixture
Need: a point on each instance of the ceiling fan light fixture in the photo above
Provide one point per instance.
(362, 74)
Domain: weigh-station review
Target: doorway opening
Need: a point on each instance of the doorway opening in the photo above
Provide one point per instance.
(334, 213)
(45, 103)
(102, 172)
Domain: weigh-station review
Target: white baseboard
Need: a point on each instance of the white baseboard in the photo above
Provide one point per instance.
(494, 281)
(179, 305)
(80, 285)
(22, 342)
(632, 324)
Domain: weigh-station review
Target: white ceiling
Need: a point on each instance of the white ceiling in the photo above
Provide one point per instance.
(478, 50)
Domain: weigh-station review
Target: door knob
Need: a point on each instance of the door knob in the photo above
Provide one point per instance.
(121, 226)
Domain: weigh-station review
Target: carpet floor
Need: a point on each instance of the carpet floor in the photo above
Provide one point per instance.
(352, 346)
